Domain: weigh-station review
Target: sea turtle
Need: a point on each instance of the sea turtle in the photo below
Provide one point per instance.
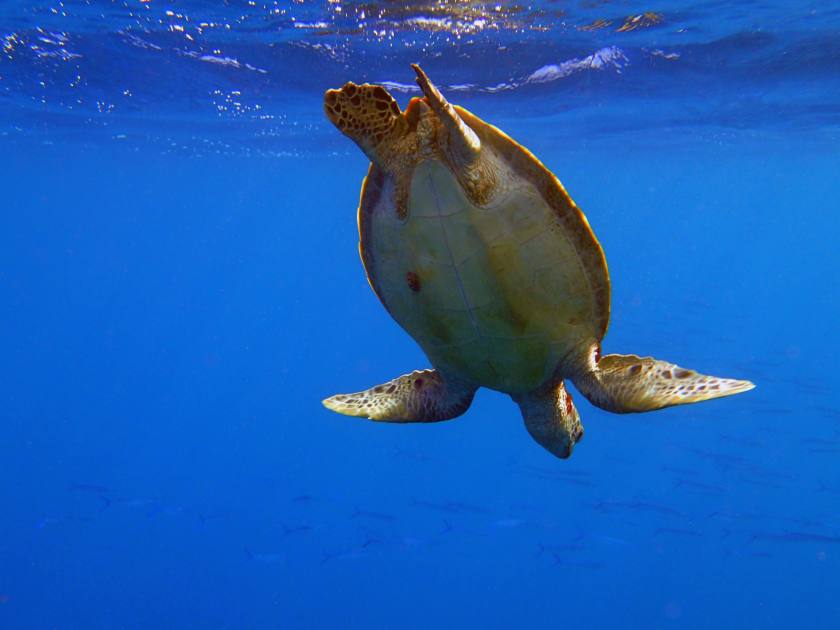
(478, 252)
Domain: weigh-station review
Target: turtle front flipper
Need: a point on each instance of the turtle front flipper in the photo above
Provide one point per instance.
(464, 145)
(460, 144)
(422, 396)
(627, 383)
(552, 419)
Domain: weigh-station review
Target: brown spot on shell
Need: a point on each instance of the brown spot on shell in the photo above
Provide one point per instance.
(413, 281)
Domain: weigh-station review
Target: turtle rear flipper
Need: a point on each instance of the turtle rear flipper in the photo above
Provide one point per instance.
(422, 396)
(628, 383)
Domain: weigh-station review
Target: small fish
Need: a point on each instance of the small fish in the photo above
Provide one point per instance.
(432, 505)
(48, 520)
(555, 550)
(698, 485)
(578, 564)
(608, 540)
(128, 503)
(379, 516)
(411, 542)
(299, 529)
(759, 482)
(726, 515)
(677, 532)
(829, 411)
(569, 480)
(165, 510)
(451, 507)
(824, 487)
(679, 471)
(636, 506)
(352, 554)
(89, 487)
(796, 537)
(460, 506)
(265, 558)
(560, 475)
(415, 455)
(768, 473)
(303, 499)
(723, 459)
(749, 554)
(804, 522)
(740, 441)
(641, 506)
(510, 523)
(206, 517)
(821, 441)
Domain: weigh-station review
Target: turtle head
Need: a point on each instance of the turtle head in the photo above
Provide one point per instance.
(392, 139)
(370, 117)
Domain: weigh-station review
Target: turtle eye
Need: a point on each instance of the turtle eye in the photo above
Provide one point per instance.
(596, 354)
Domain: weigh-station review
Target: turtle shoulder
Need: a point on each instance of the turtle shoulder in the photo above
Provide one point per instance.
(569, 216)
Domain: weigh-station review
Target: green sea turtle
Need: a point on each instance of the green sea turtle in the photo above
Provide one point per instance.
(479, 253)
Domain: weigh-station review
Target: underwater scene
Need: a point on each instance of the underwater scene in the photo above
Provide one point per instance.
(186, 301)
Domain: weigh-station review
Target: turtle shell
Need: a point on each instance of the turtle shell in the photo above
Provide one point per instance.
(497, 294)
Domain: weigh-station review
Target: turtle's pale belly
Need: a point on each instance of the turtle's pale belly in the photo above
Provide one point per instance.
(496, 294)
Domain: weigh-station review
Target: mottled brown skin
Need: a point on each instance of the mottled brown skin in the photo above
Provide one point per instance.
(415, 397)
(480, 254)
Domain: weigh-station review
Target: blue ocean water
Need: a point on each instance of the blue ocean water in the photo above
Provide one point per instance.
(180, 287)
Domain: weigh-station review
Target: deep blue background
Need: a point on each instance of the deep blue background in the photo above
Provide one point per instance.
(180, 289)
